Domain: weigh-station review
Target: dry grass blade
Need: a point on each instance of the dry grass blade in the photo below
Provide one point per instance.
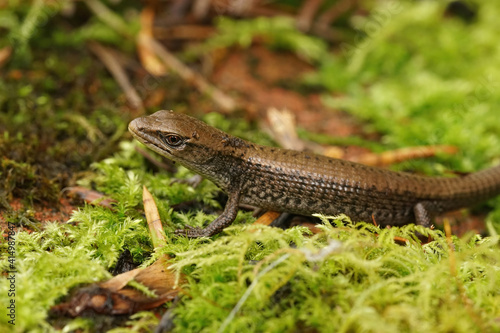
(116, 296)
(153, 218)
(94, 134)
(120, 281)
(147, 56)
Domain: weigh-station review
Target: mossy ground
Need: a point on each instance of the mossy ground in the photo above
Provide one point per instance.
(415, 72)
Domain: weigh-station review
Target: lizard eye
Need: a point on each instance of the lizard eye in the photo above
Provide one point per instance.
(171, 140)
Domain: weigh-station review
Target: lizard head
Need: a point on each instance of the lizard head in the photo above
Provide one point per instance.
(182, 138)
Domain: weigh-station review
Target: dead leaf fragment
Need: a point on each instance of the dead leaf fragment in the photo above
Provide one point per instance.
(267, 218)
(89, 196)
(115, 297)
(153, 218)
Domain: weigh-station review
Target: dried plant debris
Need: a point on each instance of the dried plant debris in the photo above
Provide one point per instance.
(137, 290)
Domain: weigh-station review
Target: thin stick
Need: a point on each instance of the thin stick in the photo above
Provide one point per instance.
(403, 154)
(225, 102)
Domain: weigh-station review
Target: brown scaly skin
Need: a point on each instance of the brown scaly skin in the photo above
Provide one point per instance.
(304, 183)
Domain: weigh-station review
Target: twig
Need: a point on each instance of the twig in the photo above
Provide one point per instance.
(403, 154)
(335, 11)
(306, 14)
(105, 55)
(225, 102)
(153, 218)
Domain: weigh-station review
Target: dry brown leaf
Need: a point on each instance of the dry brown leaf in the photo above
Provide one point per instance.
(114, 297)
(225, 102)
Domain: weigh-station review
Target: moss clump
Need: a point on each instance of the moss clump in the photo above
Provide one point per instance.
(365, 283)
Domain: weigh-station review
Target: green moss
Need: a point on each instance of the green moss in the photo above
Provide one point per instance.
(419, 78)
(274, 280)
(278, 32)
(433, 90)
(367, 283)
(62, 256)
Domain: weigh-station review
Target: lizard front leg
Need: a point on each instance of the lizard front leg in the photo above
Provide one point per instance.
(222, 221)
